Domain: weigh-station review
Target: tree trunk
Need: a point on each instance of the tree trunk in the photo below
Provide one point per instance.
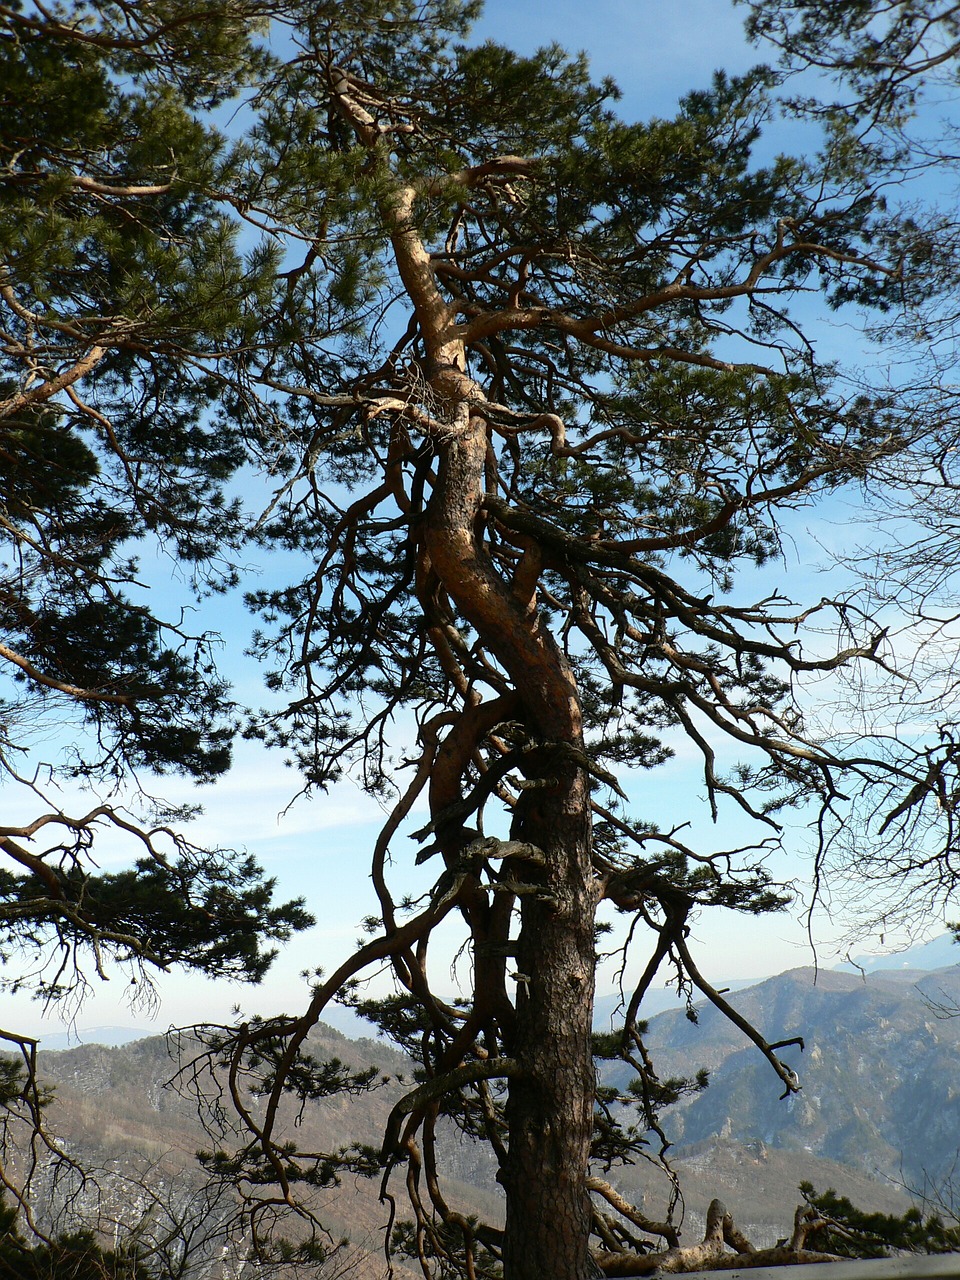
(550, 1102)
(550, 1106)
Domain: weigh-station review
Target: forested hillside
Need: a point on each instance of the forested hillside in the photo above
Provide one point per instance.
(881, 1091)
(879, 1108)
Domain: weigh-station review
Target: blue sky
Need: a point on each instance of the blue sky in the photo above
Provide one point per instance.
(320, 847)
(655, 51)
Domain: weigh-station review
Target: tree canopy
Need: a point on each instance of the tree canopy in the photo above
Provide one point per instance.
(531, 391)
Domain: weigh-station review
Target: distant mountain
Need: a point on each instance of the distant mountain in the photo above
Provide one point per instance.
(939, 953)
(880, 1101)
(116, 1115)
(881, 1090)
(110, 1036)
(657, 1000)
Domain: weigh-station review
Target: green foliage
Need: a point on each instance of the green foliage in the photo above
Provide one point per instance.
(850, 1232)
(124, 289)
(207, 913)
(110, 243)
(885, 53)
(13, 1080)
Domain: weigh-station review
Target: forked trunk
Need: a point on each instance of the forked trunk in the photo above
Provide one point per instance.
(550, 1102)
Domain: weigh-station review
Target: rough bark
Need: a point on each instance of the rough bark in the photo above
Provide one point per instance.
(550, 1100)
(550, 1105)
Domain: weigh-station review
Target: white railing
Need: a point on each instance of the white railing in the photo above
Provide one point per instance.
(941, 1266)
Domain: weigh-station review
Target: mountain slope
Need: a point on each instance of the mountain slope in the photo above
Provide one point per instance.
(880, 1101)
(881, 1090)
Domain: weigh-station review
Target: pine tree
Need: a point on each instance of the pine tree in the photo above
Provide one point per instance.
(557, 404)
(75, 1254)
(849, 1232)
(537, 385)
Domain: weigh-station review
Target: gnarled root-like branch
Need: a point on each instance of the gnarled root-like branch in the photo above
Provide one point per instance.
(430, 1090)
(711, 1253)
